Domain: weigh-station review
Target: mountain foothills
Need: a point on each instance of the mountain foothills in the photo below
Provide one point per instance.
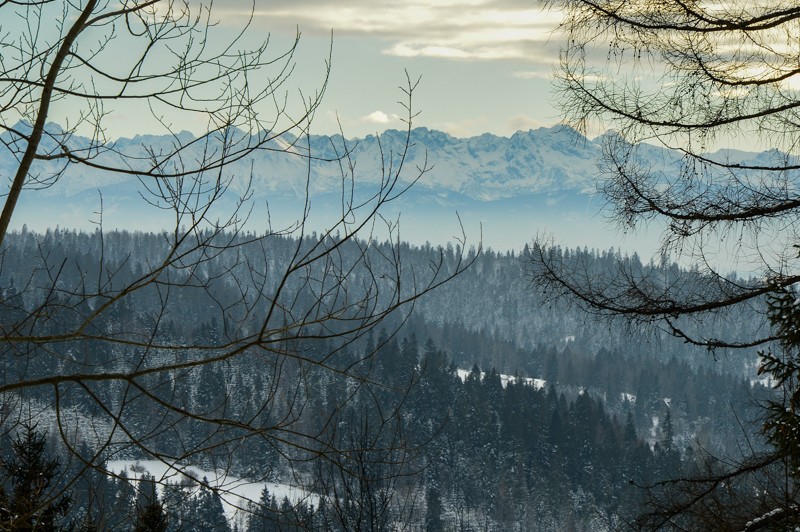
(514, 413)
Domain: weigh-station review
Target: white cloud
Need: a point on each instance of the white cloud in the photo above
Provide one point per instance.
(467, 127)
(421, 50)
(546, 74)
(379, 117)
(522, 123)
(450, 29)
(481, 33)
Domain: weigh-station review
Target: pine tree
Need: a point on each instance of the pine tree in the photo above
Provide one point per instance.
(263, 517)
(783, 423)
(177, 502)
(668, 458)
(30, 474)
(122, 503)
(151, 518)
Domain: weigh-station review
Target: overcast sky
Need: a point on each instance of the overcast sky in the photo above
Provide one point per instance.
(485, 65)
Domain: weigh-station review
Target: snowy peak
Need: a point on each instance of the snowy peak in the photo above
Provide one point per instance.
(481, 168)
(490, 167)
(484, 167)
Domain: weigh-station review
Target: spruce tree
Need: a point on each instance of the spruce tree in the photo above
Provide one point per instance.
(263, 517)
(783, 414)
(433, 510)
(30, 474)
(150, 514)
(209, 513)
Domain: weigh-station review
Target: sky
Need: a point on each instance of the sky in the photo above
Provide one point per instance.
(483, 65)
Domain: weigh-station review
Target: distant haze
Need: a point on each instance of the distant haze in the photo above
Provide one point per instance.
(536, 182)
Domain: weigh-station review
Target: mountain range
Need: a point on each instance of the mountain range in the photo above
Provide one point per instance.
(511, 185)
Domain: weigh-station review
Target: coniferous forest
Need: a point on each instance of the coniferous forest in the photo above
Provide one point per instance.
(487, 408)
(234, 334)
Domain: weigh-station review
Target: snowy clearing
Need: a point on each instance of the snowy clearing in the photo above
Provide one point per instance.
(236, 493)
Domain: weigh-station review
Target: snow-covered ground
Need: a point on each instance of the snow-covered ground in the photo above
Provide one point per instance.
(235, 492)
(505, 379)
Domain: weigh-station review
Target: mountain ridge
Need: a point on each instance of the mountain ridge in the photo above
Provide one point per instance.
(504, 189)
(484, 167)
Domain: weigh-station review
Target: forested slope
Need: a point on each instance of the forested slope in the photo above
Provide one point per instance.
(471, 448)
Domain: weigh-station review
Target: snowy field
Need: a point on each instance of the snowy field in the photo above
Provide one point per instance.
(505, 379)
(236, 493)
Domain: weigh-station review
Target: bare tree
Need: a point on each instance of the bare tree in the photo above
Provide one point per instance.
(676, 81)
(691, 78)
(751, 494)
(302, 304)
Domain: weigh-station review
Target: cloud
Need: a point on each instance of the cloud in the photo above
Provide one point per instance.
(422, 50)
(467, 127)
(546, 74)
(522, 123)
(449, 29)
(379, 117)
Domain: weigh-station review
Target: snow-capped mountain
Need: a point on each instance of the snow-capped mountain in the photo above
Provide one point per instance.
(485, 168)
(514, 187)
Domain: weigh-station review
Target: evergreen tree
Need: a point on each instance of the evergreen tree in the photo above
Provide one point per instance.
(208, 513)
(123, 498)
(177, 502)
(263, 517)
(433, 510)
(783, 425)
(670, 458)
(30, 474)
(150, 514)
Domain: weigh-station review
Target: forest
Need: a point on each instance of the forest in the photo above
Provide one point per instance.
(205, 354)
(456, 423)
